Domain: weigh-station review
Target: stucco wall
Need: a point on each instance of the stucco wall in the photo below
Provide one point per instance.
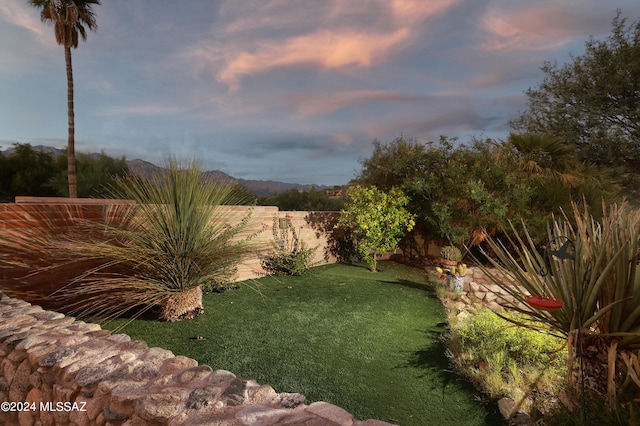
(36, 215)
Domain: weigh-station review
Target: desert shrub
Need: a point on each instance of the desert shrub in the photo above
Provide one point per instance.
(488, 333)
(503, 359)
(451, 253)
(292, 256)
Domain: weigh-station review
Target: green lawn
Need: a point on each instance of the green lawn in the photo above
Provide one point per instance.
(366, 342)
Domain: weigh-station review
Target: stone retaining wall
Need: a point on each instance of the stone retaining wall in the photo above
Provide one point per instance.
(480, 289)
(55, 370)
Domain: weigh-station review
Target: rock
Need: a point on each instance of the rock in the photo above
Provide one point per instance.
(507, 407)
(57, 356)
(521, 419)
(289, 400)
(331, 413)
(200, 398)
(462, 316)
(144, 372)
(236, 393)
(489, 297)
(159, 407)
(256, 415)
(178, 363)
(193, 374)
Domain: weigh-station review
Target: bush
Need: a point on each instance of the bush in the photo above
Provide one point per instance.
(487, 333)
(293, 257)
(451, 253)
(503, 359)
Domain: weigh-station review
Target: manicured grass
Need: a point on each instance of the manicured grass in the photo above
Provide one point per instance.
(366, 342)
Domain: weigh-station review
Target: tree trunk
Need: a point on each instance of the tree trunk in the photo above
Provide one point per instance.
(71, 154)
(184, 305)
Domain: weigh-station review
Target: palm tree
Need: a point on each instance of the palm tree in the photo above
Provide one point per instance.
(69, 19)
(558, 175)
(547, 157)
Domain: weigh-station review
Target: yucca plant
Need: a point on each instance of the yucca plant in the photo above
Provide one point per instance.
(157, 252)
(600, 290)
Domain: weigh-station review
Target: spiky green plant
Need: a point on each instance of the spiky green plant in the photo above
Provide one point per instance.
(171, 242)
(600, 291)
(156, 252)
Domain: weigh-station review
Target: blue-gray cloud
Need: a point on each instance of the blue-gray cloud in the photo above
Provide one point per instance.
(283, 89)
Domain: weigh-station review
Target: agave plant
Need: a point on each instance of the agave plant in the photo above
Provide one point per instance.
(156, 252)
(599, 287)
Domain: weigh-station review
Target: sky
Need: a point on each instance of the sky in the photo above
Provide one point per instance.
(287, 90)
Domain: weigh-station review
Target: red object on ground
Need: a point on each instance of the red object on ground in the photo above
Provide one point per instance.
(544, 302)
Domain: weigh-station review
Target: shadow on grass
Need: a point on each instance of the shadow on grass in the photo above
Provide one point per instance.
(411, 284)
(436, 367)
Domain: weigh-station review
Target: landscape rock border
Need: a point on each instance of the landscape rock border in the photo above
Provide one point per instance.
(75, 373)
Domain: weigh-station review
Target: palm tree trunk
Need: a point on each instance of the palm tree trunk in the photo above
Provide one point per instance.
(71, 154)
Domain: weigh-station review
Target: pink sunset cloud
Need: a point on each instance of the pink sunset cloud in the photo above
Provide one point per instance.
(379, 29)
(319, 103)
(540, 26)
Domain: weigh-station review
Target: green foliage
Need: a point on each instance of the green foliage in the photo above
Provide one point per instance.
(452, 193)
(604, 286)
(30, 172)
(379, 220)
(557, 177)
(591, 102)
(451, 253)
(26, 171)
(456, 197)
(293, 257)
(296, 200)
(503, 359)
(487, 333)
(600, 289)
(95, 174)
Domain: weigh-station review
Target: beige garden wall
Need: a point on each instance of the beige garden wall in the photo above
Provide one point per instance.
(44, 214)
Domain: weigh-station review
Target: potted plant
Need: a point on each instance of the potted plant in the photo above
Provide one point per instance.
(455, 276)
(450, 256)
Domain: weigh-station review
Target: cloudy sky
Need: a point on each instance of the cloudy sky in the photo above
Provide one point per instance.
(288, 90)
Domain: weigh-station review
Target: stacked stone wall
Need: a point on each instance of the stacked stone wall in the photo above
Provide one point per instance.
(479, 289)
(55, 370)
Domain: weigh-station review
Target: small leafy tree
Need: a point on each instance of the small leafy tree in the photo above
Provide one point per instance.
(379, 220)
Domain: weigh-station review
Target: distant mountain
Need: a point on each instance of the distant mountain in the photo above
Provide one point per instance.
(259, 187)
(146, 169)
(41, 148)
